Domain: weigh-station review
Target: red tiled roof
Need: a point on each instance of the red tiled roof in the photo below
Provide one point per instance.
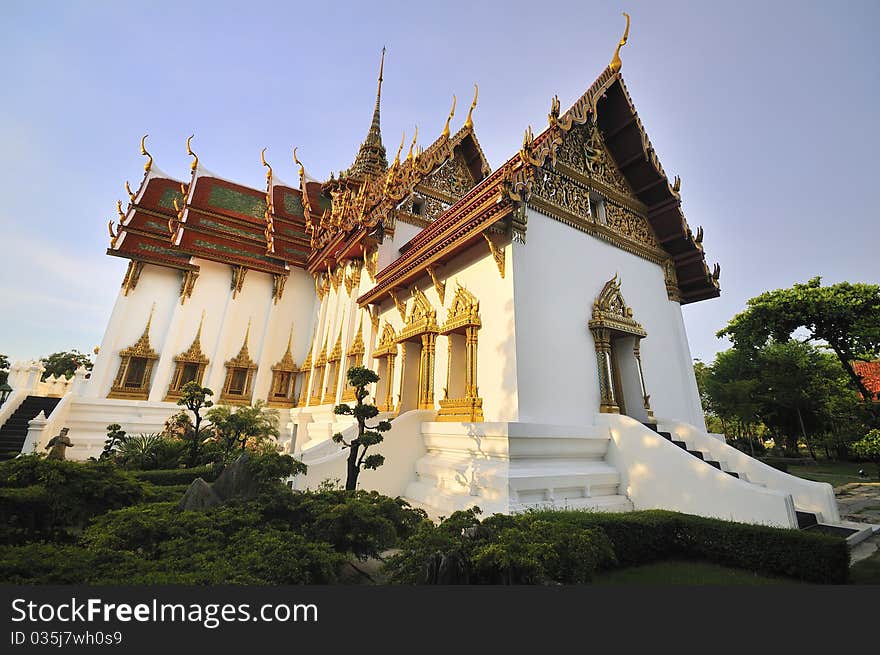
(870, 374)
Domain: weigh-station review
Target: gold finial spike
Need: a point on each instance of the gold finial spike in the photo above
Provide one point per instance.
(290, 339)
(445, 132)
(469, 122)
(191, 153)
(247, 333)
(382, 65)
(400, 149)
(119, 210)
(615, 60)
(263, 160)
(129, 192)
(412, 145)
(144, 152)
(302, 169)
(199, 331)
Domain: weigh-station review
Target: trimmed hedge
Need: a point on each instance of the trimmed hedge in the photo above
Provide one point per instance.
(653, 535)
(173, 477)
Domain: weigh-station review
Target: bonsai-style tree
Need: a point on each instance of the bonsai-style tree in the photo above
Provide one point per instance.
(359, 377)
(869, 448)
(195, 398)
(115, 437)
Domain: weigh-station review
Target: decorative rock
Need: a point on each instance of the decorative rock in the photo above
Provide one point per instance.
(236, 481)
(199, 497)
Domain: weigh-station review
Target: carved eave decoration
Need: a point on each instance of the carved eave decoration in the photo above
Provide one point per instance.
(422, 318)
(611, 312)
(463, 313)
(132, 275)
(387, 342)
(238, 275)
(278, 282)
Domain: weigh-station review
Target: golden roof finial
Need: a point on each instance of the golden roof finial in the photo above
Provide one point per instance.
(445, 132)
(144, 152)
(615, 60)
(129, 192)
(263, 159)
(302, 169)
(199, 331)
(289, 340)
(412, 145)
(469, 122)
(191, 153)
(399, 150)
(119, 210)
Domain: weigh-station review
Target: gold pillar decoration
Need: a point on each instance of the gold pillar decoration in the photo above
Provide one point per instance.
(334, 361)
(671, 279)
(239, 375)
(355, 357)
(238, 275)
(371, 263)
(421, 326)
(189, 366)
(278, 282)
(400, 304)
(439, 286)
(135, 367)
(610, 317)
(318, 377)
(305, 373)
(187, 284)
(281, 391)
(132, 275)
(386, 350)
(463, 318)
(497, 253)
(353, 277)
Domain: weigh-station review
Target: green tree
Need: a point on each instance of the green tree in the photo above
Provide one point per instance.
(359, 377)
(845, 316)
(4, 368)
(115, 437)
(869, 448)
(252, 425)
(195, 398)
(65, 363)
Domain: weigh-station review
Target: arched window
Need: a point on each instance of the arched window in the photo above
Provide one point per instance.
(354, 357)
(189, 366)
(281, 392)
(385, 354)
(418, 340)
(239, 376)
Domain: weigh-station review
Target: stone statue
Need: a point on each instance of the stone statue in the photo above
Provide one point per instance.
(59, 443)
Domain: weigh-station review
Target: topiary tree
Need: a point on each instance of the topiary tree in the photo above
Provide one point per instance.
(253, 427)
(65, 363)
(195, 398)
(869, 448)
(115, 437)
(359, 377)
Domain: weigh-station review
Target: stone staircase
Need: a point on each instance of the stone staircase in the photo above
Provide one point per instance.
(512, 467)
(806, 520)
(14, 430)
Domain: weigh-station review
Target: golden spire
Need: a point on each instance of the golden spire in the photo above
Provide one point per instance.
(302, 169)
(263, 159)
(615, 60)
(445, 132)
(191, 153)
(469, 122)
(144, 152)
(129, 192)
(399, 150)
(119, 210)
(144, 341)
(371, 160)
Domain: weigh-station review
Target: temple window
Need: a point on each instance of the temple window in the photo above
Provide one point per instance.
(135, 368)
(597, 209)
(462, 401)
(239, 376)
(418, 340)
(384, 355)
(317, 377)
(334, 359)
(282, 390)
(189, 366)
(418, 206)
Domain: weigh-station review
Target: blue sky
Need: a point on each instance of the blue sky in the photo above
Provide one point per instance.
(763, 108)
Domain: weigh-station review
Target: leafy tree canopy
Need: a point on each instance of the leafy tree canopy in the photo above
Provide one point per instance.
(845, 316)
(65, 363)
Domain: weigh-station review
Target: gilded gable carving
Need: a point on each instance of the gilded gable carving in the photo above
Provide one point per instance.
(583, 149)
(452, 178)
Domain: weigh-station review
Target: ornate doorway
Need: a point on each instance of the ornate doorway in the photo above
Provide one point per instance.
(617, 337)
(418, 340)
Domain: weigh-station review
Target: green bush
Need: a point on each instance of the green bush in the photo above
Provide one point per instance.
(42, 498)
(569, 546)
(650, 536)
(500, 550)
(164, 477)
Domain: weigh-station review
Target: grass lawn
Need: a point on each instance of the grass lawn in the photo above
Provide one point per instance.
(687, 573)
(835, 473)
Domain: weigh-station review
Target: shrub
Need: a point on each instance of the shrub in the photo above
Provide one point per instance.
(164, 477)
(568, 546)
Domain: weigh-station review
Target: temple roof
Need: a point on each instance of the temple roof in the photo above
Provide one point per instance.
(870, 374)
(371, 159)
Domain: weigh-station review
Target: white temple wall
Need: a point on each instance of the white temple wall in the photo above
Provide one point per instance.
(557, 275)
